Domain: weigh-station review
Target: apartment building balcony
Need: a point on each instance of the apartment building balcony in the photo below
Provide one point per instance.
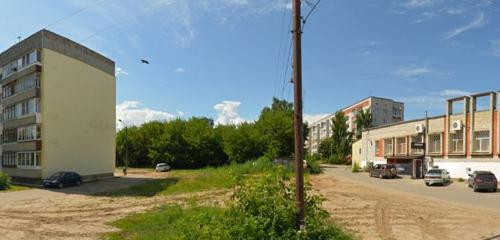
(35, 145)
(17, 97)
(33, 118)
(33, 68)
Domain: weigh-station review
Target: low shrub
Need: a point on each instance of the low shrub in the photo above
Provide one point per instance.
(4, 181)
(313, 165)
(461, 180)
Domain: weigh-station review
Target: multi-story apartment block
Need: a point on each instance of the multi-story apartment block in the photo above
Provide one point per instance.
(465, 139)
(58, 109)
(384, 111)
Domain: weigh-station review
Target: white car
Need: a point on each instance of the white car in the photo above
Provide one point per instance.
(162, 167)
(437, 176)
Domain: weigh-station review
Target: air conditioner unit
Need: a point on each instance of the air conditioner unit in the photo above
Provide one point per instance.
(456, 125)
(419, 128)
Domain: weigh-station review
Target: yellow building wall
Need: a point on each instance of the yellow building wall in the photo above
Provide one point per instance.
(78, 104)
(356, 152)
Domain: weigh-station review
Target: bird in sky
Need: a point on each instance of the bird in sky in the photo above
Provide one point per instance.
(144, 61)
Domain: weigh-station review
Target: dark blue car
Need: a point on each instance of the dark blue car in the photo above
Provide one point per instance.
(63, 179)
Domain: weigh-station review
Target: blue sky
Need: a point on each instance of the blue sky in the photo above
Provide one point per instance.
(227, 58)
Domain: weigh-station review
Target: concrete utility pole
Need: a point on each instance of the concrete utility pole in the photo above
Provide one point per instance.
(297, 106)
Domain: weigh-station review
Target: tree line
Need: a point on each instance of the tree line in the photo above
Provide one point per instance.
(197, 142)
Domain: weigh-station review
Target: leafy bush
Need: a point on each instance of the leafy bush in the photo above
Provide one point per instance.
(261, 208)
(313, 166)
(4, 181)
(356, 168)
(461, 180)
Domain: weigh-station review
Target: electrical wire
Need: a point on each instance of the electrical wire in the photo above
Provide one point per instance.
(304, 20)
(60, 20)
(278, 60)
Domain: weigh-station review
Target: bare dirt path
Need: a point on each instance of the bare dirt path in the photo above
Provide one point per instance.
(51, 215)
(374, 212)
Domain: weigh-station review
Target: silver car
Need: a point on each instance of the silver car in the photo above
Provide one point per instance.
(162, 167)
(437, 176)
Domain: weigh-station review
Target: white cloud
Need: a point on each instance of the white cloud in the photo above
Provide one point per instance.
(310, 118)
(419, 3)
(413, 71)
(495, 48)
(131, 113)
(478, 22)
(227, 113)
(454, 93)
(120, 72)
(179, 70)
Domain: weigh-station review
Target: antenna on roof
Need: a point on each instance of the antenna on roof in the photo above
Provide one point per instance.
(18, 38)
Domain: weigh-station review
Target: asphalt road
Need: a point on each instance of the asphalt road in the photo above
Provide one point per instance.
(457, 192)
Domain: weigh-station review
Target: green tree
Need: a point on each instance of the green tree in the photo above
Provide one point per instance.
(341, 138)
(241, 143)
(364, 120)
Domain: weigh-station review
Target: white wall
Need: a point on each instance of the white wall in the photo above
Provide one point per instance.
(457, 167)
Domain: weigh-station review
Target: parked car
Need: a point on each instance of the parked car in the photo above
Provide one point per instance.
(63, 179)
(437, 176)
(483, 180)
(383, 171)
(162, 167)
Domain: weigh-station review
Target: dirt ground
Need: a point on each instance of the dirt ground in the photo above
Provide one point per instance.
(78, 216)
(376, 213)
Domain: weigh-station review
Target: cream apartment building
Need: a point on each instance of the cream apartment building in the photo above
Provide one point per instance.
(58, 109)
(384, 111)
(463, 140)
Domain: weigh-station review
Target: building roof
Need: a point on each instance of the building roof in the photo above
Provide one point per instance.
(50, 40)
(403, 122)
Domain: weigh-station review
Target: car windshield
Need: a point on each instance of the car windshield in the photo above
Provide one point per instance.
(57, 175)
(435, 171)
(161, 164)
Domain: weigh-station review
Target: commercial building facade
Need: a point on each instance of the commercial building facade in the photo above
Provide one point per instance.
(58, 109)
(465, 139)
(384, 111)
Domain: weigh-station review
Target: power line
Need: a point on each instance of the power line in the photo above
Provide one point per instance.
(278, 61)
(304, 20)
(60, 20)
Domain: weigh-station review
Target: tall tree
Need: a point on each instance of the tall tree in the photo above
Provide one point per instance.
(364, 120)
(341, 138)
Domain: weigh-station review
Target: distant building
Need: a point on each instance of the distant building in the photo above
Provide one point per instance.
(384, 111)
(463, 140)
(58, 109)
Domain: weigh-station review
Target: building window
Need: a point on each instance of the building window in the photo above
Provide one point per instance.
(7, 91)
(435, 143)
(28, 160)
(28, 133)
(401, 146)
(388, 147)
(22, 62)
(27, 83)
(377, 148)
(481, 141)
(417, 139)
(457, 142)
(9, 159)
(9, 113)
(9, 135)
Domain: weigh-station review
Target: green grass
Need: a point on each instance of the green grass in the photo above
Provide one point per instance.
(188, 181)
(14, 188)
(166, 222)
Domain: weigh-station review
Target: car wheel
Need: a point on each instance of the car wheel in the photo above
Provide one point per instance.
(60, 185)
(493, 189)
(427, 184)
(78, 183)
